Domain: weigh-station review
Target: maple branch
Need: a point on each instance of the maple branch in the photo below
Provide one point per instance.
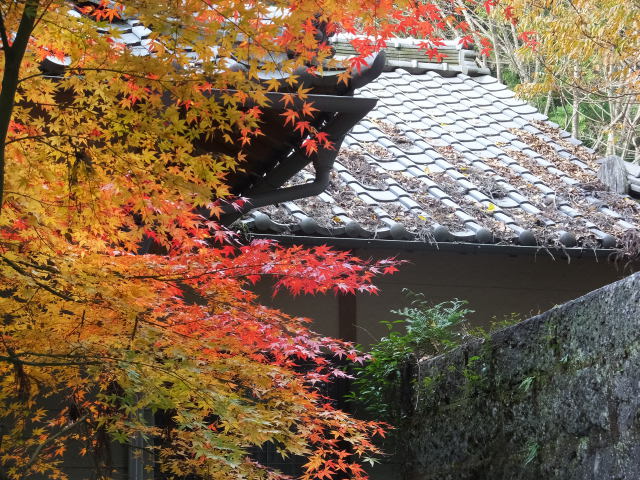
(177, 277)
(46, 287)
(17, 359)
(34, 455)
(135, 329)
(13, 61)
(131, 73)
(100, 360)
(50, 204)
(38, 137)
(43, 11)
(30, 363)
(39, 266)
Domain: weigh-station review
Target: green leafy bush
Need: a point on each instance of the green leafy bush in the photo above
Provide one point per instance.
(382, 386)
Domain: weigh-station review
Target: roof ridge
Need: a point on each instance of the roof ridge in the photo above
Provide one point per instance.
(451, 58)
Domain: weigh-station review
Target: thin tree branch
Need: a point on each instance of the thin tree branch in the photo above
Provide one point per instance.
(34, 455)
(44, 286)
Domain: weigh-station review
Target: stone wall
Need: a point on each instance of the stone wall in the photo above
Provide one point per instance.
(554, 397)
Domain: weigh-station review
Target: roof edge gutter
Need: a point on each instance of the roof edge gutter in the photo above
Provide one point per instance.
(460, 247)
(288, 194)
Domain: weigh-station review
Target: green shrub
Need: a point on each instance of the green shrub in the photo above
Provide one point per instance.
(382, 386)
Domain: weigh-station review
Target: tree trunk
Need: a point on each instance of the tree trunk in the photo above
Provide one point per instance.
(521, 66)
(611, 143)
(575, 117)
(547, 105)
(13, 55)
(575, 106)
(496, 51)
(630, 124)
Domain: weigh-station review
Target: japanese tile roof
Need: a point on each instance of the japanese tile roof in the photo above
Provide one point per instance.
(458, 159)
(633, 174)
(448, 155)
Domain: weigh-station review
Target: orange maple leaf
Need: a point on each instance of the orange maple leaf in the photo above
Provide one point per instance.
(308, 109)
(290, 116)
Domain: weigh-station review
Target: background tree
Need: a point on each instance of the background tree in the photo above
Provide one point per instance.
(100, 157)
(491, 27)
(576, 59)
(588, 52)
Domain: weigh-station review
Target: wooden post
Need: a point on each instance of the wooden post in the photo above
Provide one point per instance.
(347, 317)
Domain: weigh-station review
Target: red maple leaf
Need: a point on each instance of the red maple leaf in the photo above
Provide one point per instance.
(302, 127)
(310, 145)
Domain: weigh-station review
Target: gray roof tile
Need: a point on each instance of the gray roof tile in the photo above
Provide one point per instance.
(506, 202)
(364, 137)
(536, 117)
(483, 79)
(463, 154)
(474, 145)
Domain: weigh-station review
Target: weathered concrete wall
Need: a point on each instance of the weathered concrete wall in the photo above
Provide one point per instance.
(555, 397)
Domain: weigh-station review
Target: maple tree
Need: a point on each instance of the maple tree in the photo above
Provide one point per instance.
(101, 158)
(580, 55)
(587, 51)
(491, 26)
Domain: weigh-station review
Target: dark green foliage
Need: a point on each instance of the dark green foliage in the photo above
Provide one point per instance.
(510, 78)
(382, 386)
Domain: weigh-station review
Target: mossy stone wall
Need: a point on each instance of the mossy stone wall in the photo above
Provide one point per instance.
(554, 397)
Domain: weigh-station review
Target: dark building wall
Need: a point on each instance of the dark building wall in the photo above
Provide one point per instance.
(494, 283)
(554, 397)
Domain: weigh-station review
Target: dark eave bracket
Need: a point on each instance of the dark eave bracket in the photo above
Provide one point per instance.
(341, 113)
(346, 112)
